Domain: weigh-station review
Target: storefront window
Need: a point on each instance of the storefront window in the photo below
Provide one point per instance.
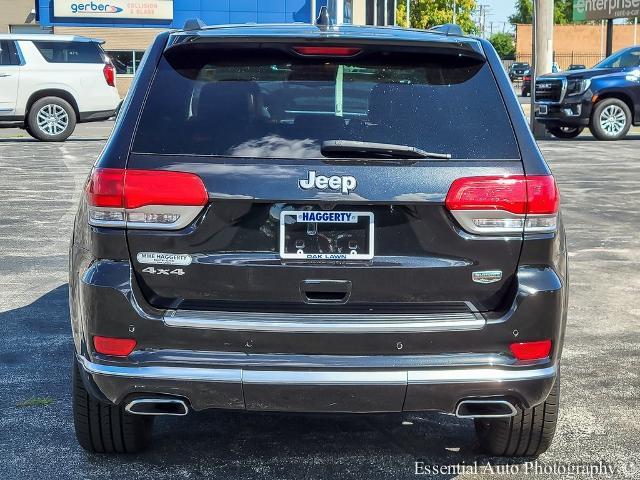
(125, 61)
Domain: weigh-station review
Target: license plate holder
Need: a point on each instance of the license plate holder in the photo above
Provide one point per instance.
(317, 235)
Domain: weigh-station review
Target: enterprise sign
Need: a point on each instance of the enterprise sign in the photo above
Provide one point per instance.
(601, 9)
(142, 10)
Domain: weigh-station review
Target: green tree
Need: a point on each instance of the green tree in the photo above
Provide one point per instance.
(428, 13)
(562, 12)
(504, 45)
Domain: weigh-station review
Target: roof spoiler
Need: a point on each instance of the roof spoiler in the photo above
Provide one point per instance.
(194, 24)
(448, 29)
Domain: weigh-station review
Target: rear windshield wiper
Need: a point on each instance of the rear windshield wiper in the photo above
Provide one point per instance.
(356, 149)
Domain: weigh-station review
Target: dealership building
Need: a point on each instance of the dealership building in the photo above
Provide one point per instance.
(128, 27)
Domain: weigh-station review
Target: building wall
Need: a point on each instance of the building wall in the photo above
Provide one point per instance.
(577, 39)
(16, 12)
(212, 12)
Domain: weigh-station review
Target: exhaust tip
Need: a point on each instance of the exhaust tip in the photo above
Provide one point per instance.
(157, 406)
(485, 409)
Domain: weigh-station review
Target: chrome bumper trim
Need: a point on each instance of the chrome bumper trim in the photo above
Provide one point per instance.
(322, 377)
(479, 375)
(190, 374)
(325, 323)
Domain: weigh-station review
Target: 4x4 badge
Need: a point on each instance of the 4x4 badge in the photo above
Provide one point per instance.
(345, 184)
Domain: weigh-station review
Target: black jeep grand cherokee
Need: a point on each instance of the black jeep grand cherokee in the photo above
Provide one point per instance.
(295, 218)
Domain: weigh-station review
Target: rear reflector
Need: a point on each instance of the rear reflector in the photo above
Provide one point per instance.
(531, 350)
(505, 205)
(328, 51)
(119, 347)
(144, 198)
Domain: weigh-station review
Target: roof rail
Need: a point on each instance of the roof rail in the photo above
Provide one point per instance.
(194, 24)
(448, 29)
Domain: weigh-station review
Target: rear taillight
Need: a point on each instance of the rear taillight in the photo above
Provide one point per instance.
(505, 205)
(144, 198)
(109, 72)
(323, 51)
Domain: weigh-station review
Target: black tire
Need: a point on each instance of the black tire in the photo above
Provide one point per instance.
(566, 132)
(61, 129)
(598, 130)
(103, 428)
(527, 434)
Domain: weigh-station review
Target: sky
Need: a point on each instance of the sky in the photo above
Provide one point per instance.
(498, 13)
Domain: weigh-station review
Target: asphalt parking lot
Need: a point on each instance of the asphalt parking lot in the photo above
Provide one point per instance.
(599, 426)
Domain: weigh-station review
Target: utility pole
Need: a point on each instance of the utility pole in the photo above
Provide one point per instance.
(609, 49)
(454, 11)
(408, 13)
(542, 53)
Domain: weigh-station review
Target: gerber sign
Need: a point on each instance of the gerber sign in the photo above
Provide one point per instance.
(149, 10)
(602, 9)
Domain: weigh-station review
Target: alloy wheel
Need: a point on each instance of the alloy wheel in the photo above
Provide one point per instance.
(613, 120)
(52, 119)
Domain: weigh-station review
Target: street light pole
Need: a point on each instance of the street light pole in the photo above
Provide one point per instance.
(454, 11)
(408, 13)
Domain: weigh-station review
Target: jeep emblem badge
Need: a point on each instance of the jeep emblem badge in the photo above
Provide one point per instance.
(344, 184)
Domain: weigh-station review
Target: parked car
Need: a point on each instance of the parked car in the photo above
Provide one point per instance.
(517, 70)
(526, 80)
(319, 219)
(49, 83)
(526, 84)
(605, 98)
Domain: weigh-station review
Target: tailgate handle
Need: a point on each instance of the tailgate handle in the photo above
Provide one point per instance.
(325, 291)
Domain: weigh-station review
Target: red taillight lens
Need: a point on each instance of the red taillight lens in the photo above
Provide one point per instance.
(328, 51)
(109, 72)
(159, 187)
(118, 347)
(509, 205)
(527, 79)
(542, 195)
(144, 198)
(531, 350)
(488, 193)
(106, 188)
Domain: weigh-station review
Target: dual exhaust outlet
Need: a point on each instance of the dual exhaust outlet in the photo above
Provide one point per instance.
(472, 408)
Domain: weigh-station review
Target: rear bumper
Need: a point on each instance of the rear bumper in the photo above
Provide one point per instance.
(290, 362)
(436, 387)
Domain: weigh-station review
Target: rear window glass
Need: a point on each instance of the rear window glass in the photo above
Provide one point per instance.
(283, 107)
(70, 52)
